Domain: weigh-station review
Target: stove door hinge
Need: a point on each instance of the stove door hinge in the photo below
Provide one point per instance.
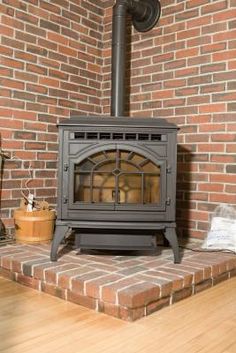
(168, 169)
(66, 167)
(65, 199)
(168, 201)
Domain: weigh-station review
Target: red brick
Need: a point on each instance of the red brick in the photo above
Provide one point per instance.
(49, 63)
(6, 51)
(71, 52)
(24, 135)
(25, 155)
(230, 189)
(50, 7)
(12, 22)
(157, 305)
(35, 126)
(130, 314)
(12, 103)
(4, 71)
(198, 100)
(214, 147)
(49, 82)
(179, 83)
(109, 309)
(224, 36)
(28, 281)
(210, 187)
(197, 138)
(57, 38)
(211, 127)
(16, 4)
(109, 292)
(223, 198)
(19, 260)
(231, 148)
(7, 274)
(187, 53)
(227, 137)
(138, 295)
(37, 107)
(222, 277)
(232, 273)
(182, 294)
(76, 298)
(93, 287)
(214, 7)
(25, 37)
(12, 43)
(52, 274)
(187, 277)
(222, 158)
(11, 63)
(232, 65)
(152, 263)
(24, 96)
(224, 15)
(53, 290)
(12, 83)
(197, 273)
(156, 277)
(202, 286)
(65, 278)
(6, 262)
(222, 178)
(78, 283)
(5, 93)
(39, 270)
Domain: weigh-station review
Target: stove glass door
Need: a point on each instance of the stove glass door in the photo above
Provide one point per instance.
(117, 177)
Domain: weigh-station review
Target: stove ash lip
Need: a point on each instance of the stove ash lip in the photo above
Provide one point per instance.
(144, 15)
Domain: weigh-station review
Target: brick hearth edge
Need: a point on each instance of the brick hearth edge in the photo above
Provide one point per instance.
(127, 287)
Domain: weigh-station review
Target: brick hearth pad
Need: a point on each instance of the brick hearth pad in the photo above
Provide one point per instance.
(127, 286)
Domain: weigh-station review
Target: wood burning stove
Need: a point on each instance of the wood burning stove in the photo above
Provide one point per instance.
(117, 175)
(117, 182)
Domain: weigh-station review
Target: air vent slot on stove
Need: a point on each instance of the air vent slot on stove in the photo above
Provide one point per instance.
(90, 135)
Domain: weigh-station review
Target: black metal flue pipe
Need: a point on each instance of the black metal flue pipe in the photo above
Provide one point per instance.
(118, 58)
(144, 14)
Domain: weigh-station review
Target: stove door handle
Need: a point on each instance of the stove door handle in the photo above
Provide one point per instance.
(168, 200)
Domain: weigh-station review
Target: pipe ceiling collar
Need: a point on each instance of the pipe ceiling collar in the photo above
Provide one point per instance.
(144, 13)
(151, 15)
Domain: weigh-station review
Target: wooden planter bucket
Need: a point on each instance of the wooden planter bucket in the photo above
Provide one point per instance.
(34, 227)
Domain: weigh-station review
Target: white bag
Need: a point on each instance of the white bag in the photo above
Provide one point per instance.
(222, 233)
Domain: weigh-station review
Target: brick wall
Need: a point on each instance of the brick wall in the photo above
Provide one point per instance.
(184, 70)
(50, 67)
(55, 60)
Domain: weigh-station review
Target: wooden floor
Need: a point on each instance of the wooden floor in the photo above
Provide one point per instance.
(34, 322)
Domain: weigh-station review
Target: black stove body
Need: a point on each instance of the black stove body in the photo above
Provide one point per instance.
(117, 183)
(117, 174)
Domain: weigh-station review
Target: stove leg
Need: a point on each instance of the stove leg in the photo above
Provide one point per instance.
(59, 235)
(170, 235)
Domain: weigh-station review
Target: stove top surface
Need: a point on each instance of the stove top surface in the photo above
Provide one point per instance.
(117, 121)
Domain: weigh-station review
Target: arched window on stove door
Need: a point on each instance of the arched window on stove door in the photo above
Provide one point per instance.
(117, 176)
